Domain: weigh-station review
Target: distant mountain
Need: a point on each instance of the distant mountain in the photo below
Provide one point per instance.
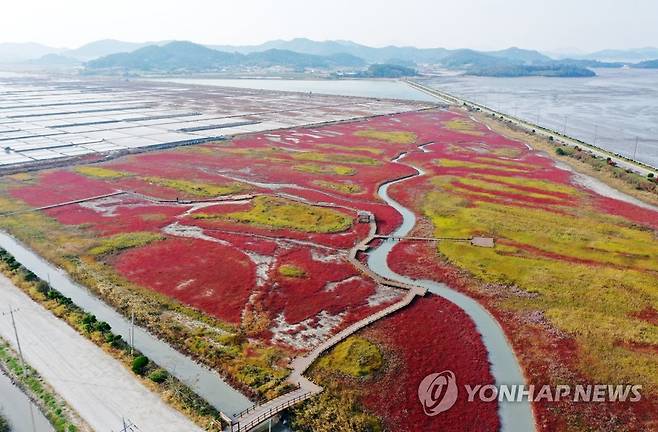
(326, 48)
(300, 45)
(55, 60)
(384, 54)
(547, 70)
(280, 57)
(184, 57)
(187, 56)
(401, 62)
(466, 58)
(649, 64)
(389, 71)
(171, 57)
(627, 55)
(588, 63)
(19, 52)
(337, 53)
(520, 55)
(103, 48)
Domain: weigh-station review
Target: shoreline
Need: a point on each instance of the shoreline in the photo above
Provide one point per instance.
(639, 167)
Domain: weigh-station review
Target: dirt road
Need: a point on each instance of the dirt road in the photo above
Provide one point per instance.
(97, 386)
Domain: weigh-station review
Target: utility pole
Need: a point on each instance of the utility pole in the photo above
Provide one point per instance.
(18, 341)
(596, 129)
(635, 151)
(564, 130)
(128, 426)
(20, 354)
(132, 332)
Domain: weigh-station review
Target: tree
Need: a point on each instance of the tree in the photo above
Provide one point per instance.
(139, 364)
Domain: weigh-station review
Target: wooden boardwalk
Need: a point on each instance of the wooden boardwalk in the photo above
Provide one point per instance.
(415, 238)
(257, 414)
(66, 203)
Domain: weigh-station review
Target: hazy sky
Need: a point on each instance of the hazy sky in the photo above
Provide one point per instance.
(483, 24)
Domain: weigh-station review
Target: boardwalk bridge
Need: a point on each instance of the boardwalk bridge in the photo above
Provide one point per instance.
(475, 241)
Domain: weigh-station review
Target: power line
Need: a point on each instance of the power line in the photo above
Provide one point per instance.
(128, 426)
(18, 341)
(131, 332)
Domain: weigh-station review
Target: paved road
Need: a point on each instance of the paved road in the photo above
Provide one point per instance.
(97, 386)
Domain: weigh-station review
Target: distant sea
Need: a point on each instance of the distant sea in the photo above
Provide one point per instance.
(361, 88)
(609, 110)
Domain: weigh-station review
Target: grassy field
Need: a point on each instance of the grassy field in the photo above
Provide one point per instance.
(355, 356)
(292, 271)
(393, 137)
(463, 126)
(326, 169)
(281, 213)
(198, 189)
(122, 241)
(346, 188)
(590, 274)
(99, 172)
(339, 407)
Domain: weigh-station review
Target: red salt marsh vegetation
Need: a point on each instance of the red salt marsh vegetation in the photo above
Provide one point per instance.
(569, 279)
(245, 263)
(209, 276)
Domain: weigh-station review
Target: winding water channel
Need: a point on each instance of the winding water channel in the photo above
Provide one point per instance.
(514, 416)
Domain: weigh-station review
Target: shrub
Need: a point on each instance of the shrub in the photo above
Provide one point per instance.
(354, 356)
(114, 340)
(43, 287)
(102, 327)
(560, 151)
(139, 365)
(289, 270)
(158, 376)
(88, 318)
(29, 276)
(88, 322)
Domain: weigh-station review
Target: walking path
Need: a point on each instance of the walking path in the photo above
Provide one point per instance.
(99, 388)
(257, 414)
